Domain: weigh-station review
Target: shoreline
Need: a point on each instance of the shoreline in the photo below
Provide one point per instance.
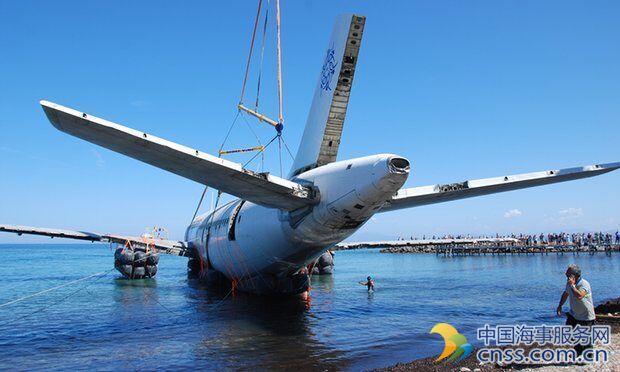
(471, 364)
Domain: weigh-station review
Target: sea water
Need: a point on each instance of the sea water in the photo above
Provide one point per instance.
(110, 323)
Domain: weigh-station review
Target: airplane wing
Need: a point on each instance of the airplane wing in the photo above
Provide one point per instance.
(417, 196)
(173, 247)
(224, 175)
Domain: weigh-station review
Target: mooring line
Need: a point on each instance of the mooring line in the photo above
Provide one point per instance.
(101, 275)
(51, 289)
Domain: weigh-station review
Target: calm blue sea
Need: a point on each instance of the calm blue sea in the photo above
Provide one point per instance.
(109, 323)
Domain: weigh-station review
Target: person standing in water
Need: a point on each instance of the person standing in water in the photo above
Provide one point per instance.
(369, 283)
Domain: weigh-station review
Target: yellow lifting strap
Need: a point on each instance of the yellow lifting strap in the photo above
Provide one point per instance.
(250, 149)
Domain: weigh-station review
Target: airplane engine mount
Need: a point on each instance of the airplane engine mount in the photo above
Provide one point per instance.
(136, 263)
(324, 265)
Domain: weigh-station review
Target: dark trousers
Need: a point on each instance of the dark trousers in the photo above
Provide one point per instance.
(571, 321)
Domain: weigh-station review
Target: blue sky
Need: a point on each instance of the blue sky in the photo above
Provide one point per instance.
(464, 89)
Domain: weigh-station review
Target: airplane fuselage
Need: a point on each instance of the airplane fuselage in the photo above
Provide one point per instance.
(262, 248)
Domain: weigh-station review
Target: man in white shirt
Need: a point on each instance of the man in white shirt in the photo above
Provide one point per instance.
(579, 294)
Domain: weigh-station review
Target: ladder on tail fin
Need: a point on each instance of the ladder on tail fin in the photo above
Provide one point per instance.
(323, 132)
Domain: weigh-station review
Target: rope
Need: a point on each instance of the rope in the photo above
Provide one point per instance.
(204, 192)
(254, 157)
(247, 67)
(245, 80)
(280, 152)
(287, 149)
(279, 54)
(59, 301)
(101, 275)
(250, 127)
(51, 289)
(262, 155)
(151, 297)
(229, 130)
(262, 53)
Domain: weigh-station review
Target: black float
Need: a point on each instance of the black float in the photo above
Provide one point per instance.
(136, 263)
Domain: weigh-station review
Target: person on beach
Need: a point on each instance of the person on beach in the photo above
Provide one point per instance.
(369, 283)
(579, 294)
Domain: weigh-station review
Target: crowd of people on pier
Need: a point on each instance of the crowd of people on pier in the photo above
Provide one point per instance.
(578, 239)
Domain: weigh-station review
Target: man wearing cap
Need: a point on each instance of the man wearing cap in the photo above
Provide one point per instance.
(579, 294)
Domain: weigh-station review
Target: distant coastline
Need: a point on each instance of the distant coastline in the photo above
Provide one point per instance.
(522, 243)
(457, 248)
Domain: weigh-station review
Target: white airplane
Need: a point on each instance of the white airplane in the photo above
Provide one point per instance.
(263, 241)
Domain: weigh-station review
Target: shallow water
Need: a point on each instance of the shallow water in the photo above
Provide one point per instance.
(169, 322)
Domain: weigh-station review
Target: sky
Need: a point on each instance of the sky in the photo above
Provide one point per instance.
(463, 89)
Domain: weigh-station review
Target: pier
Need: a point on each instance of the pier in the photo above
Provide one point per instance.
(465, 247)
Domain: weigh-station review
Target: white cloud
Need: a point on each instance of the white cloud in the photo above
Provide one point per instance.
(565, 218)
(139, 103)
(570, 213)
(98, 158)
(512, 213)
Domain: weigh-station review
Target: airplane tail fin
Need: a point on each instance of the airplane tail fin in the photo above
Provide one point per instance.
(321, 138)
